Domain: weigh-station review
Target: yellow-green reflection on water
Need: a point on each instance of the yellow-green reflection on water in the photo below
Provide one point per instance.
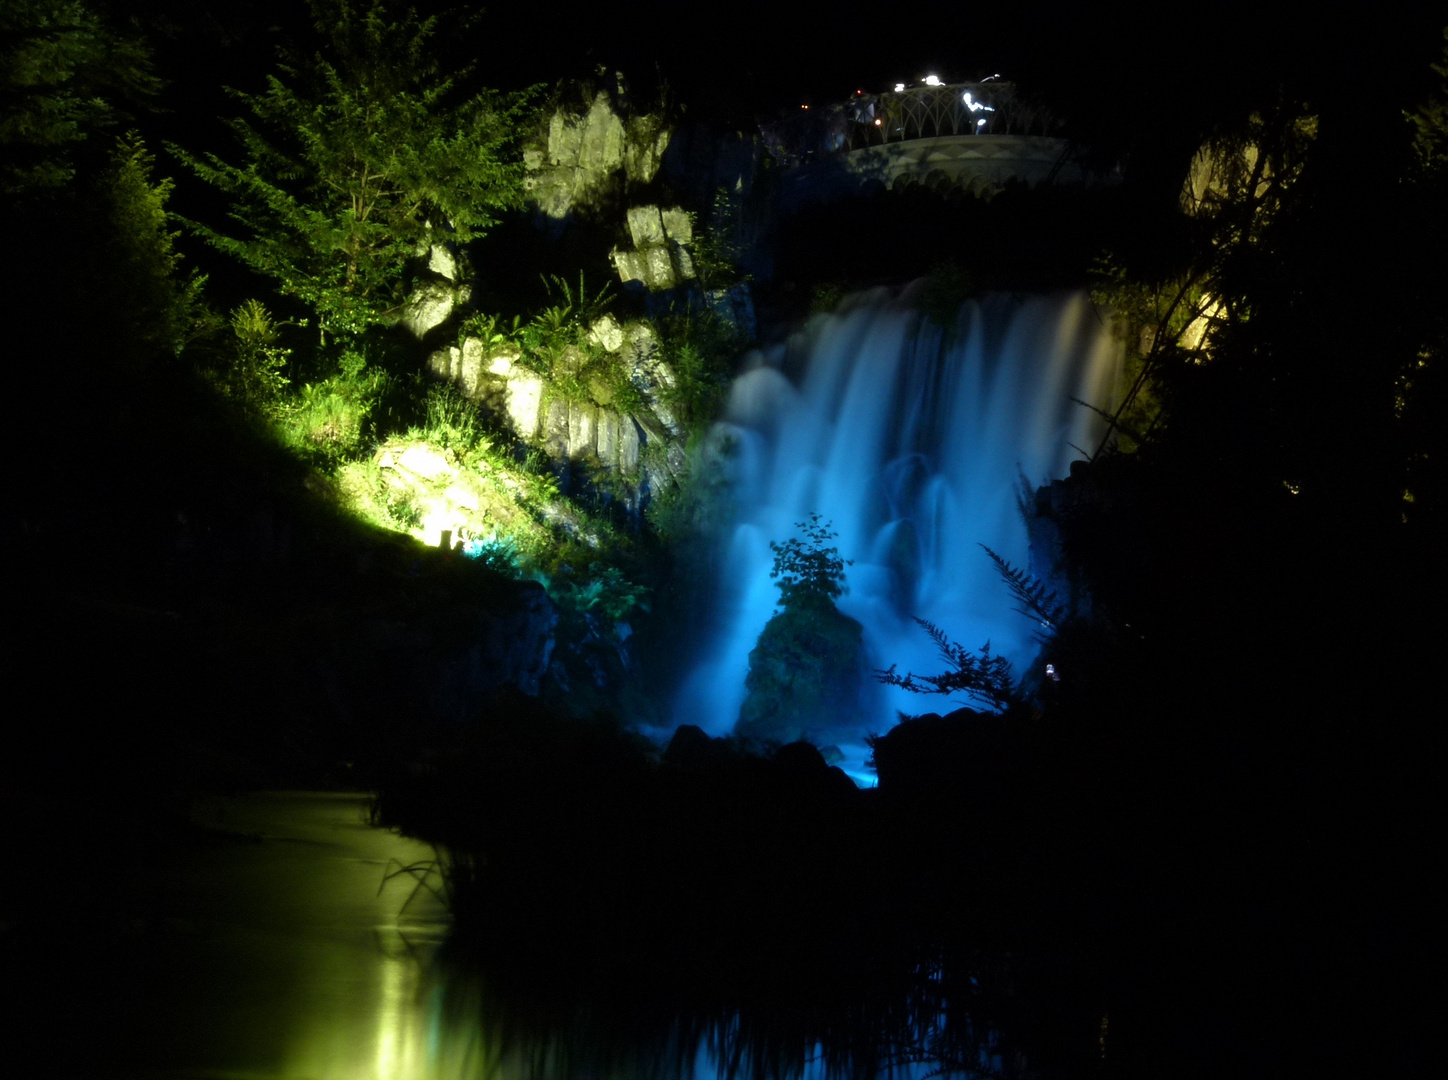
(314, 947)
(288, 946)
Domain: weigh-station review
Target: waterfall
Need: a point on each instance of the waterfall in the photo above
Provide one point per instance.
(912, 442)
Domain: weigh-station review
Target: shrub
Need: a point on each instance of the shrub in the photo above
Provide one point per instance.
(808, 572)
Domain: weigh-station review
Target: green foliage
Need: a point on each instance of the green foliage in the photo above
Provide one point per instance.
(64, 76)
(556, 344)
(1430, 122)
(976, 673)
(716, 248)
(606, 591)
(808, 571)
(358, 158)
(327, 421)
(498, 553)
(150, 309)
(1177, 312)
(451, 421)
(987, 678)
(701, 348)
(252, 373)
(491, 330)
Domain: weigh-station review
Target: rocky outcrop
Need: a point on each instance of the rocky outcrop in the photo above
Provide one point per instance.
(588, 156)
(807, 675)
(659, 258)
(643, 445)
(431, 304)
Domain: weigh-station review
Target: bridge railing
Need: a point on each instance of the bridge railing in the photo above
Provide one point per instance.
(929, 112)
(922, 112)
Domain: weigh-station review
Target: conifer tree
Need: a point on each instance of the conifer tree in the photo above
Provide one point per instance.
(359, 157)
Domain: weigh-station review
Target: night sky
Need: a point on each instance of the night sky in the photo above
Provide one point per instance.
(1118, 72)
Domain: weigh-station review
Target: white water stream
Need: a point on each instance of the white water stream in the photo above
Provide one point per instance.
(911, 442)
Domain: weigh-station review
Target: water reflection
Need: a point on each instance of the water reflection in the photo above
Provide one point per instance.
(287, 945)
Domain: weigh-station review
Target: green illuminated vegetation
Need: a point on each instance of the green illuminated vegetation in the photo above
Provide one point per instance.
(358, 158)
(68, 77)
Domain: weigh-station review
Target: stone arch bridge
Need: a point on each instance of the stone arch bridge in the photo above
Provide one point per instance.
(975, 137)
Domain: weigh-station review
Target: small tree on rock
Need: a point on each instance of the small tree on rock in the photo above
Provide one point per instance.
(807, 570)
(806, 673)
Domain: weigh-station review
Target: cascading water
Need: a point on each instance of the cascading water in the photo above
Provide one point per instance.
(911, 442)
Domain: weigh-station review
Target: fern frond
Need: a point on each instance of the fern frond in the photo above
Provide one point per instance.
(1035, 600)
(975, 673)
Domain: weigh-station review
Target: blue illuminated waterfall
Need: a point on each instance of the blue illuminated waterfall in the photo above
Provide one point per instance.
(912, 442)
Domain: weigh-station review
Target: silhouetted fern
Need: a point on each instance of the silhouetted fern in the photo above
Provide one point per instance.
(976, 673)
(1035, 600)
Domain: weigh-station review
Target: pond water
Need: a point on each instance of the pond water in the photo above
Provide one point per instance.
(287, 942)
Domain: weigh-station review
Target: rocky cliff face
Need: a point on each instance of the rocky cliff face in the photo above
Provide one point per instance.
(586, 157)
(640, 445)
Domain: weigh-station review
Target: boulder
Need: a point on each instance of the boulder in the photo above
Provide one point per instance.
(600, 139)
(646, 226)
(658, 268)
(629, 443)
(678, 225)
(660, 259)
(807, 674)
(647, 140)
(691, 748)
(606, 333)
(630, 265)
(442, 262)
(585, 157)
(469, 375)
(429, 307)
(524, 399)
(735, 306)
(445, 363)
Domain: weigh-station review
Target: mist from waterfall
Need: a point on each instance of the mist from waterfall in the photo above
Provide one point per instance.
(913, 443)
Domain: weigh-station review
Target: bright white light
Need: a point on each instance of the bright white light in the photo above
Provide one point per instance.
(899, 88)
(975, 106)
(932, 80)
(1051, 673)
(988, 78)
(980, 123)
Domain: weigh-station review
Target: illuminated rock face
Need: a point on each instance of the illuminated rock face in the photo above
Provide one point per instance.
(589, 431)
(659, 259)
(590, 155)
(912, 446)
(431, 305)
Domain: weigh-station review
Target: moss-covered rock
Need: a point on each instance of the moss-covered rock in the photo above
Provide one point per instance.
(806, 674)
